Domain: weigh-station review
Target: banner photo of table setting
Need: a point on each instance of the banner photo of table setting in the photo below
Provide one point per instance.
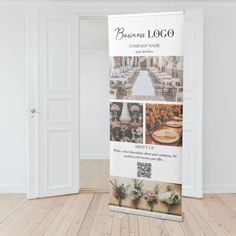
(146, 114)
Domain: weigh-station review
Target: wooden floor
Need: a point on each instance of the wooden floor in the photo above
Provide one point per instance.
(94, 175)
(87, 214)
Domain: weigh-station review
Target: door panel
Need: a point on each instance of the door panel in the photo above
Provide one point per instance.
(57, 104)
(58, 54)
(193, 76)
(58, 144)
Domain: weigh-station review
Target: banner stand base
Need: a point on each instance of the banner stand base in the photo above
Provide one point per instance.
(146, 213)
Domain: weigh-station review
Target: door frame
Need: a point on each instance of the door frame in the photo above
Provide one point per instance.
(32, 78)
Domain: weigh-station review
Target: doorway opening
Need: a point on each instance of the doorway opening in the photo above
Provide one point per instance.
(94, 97)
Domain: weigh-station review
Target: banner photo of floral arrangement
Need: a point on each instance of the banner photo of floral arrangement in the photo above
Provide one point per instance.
(146, 195)
(146, 84)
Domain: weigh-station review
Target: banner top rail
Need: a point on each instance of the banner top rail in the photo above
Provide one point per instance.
(148, 14)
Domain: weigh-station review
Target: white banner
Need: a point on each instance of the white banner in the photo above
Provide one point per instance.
(146, 113)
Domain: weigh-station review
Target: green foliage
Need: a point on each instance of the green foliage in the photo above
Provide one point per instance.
(137, 191)
(119, 190)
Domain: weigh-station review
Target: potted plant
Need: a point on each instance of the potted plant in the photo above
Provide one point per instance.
(171, 197)
(151, 197)
(119, 191)
(136, 192)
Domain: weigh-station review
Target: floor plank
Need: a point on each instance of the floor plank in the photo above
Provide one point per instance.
(102, 223)
(90, 216)
(133, 225)
(222, 214)
(9, 204)
(190, 220)
(76, 217)
(229, 199)
(27, 223)
(144, 228)
(54, 210)
(194, 216)
(61, 215)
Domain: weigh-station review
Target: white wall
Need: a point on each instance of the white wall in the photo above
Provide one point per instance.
(94, 95)
(12, 100)
(219, 96)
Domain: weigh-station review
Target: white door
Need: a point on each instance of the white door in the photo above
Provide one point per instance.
(193, 79)
(53, 167)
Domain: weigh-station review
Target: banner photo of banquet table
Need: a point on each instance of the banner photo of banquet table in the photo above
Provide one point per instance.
(146, 114)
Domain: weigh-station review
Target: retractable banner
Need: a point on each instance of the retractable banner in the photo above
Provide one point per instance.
(146, 114)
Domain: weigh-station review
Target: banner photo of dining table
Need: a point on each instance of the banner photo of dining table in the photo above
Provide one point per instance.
(146, 114)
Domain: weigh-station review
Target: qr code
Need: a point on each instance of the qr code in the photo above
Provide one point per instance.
(144, 170)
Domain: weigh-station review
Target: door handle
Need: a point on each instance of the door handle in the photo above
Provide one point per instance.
(33, 111)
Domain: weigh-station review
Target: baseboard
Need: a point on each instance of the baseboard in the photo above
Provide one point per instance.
(12, 188)
(220, 188)
(94, 157)
(93, 190)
